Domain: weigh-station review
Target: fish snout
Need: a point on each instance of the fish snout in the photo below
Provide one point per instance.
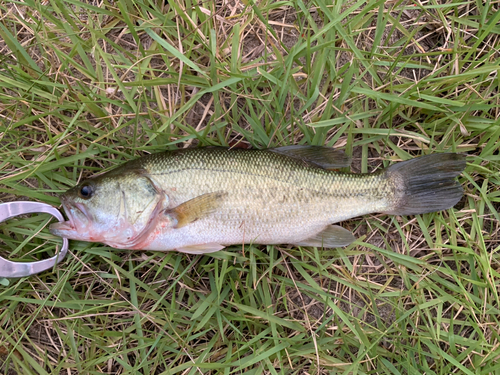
(77, 223)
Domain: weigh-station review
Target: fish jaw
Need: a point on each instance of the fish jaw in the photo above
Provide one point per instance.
(119, 233)
(66, 229)
(77, 227)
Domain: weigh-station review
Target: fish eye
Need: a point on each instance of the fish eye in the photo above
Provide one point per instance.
(86, 192)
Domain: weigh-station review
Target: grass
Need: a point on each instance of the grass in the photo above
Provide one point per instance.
(86, 86)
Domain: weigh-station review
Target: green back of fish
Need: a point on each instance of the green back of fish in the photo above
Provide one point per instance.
(265, 186)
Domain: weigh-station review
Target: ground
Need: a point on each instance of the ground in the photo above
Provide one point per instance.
(86, 86)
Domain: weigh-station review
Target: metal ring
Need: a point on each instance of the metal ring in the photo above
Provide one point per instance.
(22, 269)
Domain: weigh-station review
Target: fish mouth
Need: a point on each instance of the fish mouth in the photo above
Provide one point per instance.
(75, 212)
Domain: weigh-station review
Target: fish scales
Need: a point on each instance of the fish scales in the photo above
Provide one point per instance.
(200, 200)
(267, 194)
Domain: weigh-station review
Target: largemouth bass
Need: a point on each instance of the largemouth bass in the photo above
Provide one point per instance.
(201, 200)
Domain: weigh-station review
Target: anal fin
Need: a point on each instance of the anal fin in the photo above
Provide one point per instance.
(331, 236)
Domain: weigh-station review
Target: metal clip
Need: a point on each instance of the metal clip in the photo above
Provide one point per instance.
(22, 269)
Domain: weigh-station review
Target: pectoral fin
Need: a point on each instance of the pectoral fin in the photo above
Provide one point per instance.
(205, 248)
(331, 236)
(194, 209)
(323, 157)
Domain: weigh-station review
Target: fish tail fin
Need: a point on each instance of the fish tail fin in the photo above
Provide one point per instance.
(426, 184)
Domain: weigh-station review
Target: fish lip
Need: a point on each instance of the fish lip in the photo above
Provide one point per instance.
(67, 211)
(61, 227)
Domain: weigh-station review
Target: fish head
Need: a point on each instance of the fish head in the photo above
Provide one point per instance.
(118, 210)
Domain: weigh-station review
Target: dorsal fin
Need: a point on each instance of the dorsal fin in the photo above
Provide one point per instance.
(319, 156)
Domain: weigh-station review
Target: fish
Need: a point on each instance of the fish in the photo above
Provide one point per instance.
(202, 200)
